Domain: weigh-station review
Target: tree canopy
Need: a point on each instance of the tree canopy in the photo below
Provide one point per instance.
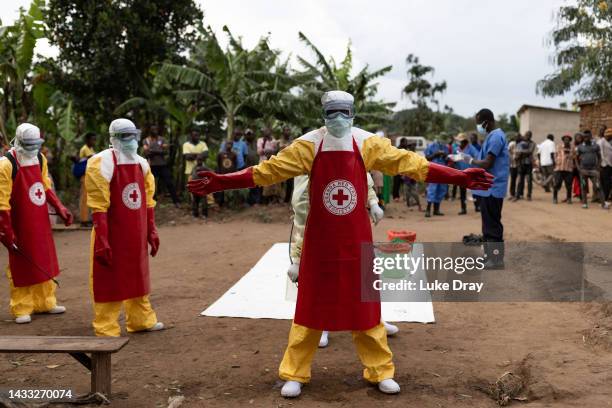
(583, 51)
(107, 47)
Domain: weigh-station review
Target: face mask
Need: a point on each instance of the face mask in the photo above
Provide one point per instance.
(29, 151)
(26, 152)
(128, 146)
(339, 126)
(481, 129)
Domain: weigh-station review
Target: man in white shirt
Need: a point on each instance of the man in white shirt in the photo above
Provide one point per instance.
(605, 175)
(546, 155)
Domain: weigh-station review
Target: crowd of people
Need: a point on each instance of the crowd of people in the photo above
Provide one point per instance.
(581, 164)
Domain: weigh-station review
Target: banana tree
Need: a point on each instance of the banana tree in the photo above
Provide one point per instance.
(324, 74)
(234, 80)
(17, 43)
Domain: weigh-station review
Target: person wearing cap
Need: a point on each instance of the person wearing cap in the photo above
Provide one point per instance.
(120, 188)
(336, 158)
(25, 229)
(564, 165)
(464, 146)
(300, 204)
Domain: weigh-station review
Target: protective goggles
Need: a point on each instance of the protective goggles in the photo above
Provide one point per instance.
(333, 109)
(334, 113)
(127, 136)
(31, 145)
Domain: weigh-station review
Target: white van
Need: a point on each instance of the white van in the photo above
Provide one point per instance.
(420, 141)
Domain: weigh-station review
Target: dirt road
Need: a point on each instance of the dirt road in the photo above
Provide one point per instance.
(562, 349)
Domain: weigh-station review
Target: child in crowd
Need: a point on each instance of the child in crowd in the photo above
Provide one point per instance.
(197, 200)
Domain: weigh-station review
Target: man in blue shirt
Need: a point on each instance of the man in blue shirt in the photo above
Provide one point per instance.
(436, 152)
(239, 147)
(495, 159)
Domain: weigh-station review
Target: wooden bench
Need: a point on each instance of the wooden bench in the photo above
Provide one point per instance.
(100, 348)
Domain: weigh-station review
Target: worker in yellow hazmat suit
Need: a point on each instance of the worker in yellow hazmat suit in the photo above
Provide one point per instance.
(25, 229)
(336, 158)
(301, 204)
(120, 188)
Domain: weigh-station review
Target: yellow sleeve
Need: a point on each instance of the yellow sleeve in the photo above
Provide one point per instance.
(6, 184)
(292, 161)
(371, 192)
(300, 202)
(45, 174)
(97, 187)
(186, 149)
(378, 154)
(149, 183)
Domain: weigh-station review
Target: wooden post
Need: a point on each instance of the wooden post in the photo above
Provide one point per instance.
(101, 373)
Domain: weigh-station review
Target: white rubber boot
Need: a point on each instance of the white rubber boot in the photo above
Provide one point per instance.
(389, 386)
(291, 389)
(391, 329)
(57, 310)
(23, 319)
(156, 327)
(324, 341)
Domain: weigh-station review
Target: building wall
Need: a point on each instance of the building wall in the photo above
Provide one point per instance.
(593, 115)
(541, 122)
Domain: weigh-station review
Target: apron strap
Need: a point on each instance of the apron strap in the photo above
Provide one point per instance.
(12, 157)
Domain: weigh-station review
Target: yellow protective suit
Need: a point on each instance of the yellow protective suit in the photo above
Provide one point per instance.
(138, 311)
(37, 298)
(295, 160)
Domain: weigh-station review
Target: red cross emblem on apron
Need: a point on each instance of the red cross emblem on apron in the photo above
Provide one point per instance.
(338, 231)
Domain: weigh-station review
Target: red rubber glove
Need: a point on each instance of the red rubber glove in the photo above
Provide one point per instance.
(102, 250)
(7, 237)
(211, 182)
(59, 207)
(472, 178)
(152, 235)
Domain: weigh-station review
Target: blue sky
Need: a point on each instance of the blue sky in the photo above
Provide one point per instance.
(491, 53)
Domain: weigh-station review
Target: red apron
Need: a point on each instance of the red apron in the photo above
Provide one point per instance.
(331, 285)
(128, 275)
(30, 219)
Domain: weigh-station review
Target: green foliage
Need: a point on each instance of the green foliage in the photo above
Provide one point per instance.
(236, 80)
(107, 47)
(583, 51)
(423, 120)
(66, 125)
(17, 43)
(323, 74)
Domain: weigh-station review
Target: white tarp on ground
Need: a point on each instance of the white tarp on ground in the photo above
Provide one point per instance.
(263, 293)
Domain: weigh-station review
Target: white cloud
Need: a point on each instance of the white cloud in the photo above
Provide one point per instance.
(491, 53)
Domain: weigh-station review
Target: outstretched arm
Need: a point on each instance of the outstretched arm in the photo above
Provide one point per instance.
(380, 155)
(294, 160)
(472, 178)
